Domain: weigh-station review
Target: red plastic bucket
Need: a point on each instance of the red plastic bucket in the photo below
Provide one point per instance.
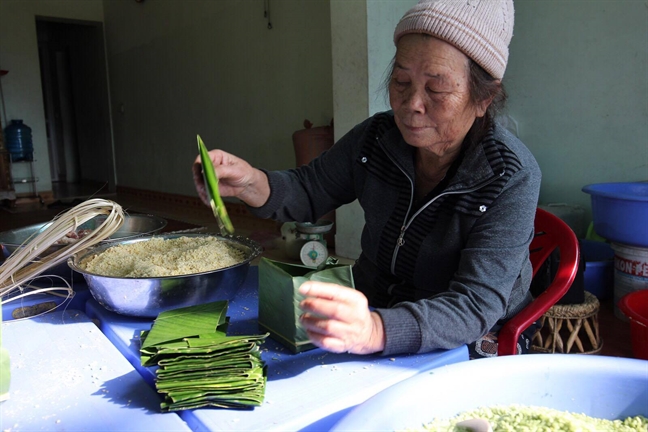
(635, 307)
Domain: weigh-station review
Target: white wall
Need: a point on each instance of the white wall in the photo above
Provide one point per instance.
(363, 47)
(578, 86)
(181, 68)
(21, 87)
(350, 101)
(577, 80)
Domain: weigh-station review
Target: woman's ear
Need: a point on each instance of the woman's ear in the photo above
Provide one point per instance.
(482, 106)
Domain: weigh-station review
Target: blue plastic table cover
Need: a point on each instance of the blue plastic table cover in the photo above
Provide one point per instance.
(311, 390)
(77, 301)
(67, 376)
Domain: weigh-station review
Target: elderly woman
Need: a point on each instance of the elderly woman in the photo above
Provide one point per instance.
(449, 195)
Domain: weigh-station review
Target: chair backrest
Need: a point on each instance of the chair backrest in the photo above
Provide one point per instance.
(550, 233)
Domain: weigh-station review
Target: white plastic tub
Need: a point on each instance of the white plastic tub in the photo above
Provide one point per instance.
(630, 273)
(598, 386)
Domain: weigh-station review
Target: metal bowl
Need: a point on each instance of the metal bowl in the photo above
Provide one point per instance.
(319, 227)
(135, 225)
(147, 297)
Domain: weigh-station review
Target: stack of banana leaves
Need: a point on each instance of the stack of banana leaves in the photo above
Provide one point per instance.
(199, 365)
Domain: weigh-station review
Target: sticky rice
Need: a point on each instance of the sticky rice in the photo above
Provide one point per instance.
(533, 418)
(158, 257)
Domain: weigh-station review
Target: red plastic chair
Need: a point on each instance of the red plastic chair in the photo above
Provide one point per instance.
(550, 233)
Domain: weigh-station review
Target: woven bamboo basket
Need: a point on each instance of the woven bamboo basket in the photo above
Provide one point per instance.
(570, 329)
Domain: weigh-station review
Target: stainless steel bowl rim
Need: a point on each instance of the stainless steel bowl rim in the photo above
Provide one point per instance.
(255, 251)
(160, 223)
(319, 227)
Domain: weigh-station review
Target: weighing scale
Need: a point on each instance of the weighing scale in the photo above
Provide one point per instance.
(305, 241)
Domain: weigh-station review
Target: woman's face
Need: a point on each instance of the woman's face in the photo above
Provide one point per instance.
(429, 94)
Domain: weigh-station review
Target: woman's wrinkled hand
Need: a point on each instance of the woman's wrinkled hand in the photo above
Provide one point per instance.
(338, 319)
(236, 178)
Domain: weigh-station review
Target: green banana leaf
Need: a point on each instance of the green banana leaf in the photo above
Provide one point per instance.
(247, 400)
(186, 362)
(166, 352)
(238, 370)
(199, 358)
(173, 362)
(224, 365)
(234, 389)
(279, 297)
(214, 383)
(173, 325)
(5, 371)
(211, 184)
(225, 362)
(229, 389)
(199, 365)
(222, 394)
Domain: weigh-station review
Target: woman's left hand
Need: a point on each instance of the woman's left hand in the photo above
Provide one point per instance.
(338, 319)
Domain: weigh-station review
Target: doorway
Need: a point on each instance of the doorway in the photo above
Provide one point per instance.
(77, 110)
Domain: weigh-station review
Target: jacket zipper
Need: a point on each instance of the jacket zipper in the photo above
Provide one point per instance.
(408, 221)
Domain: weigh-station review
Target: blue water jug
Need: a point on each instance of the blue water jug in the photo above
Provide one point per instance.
(19, 141)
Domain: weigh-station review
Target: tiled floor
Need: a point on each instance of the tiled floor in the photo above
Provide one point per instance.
(614, 332)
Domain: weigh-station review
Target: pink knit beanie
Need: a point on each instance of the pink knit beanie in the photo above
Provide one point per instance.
(481, 29)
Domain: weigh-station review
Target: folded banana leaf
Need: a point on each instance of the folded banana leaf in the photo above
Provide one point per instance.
(279, 297)
(244, 400)
(202, 360)
(237, 370)
(5, 371)
(198, 361)
(227, 348)
(172, 326)
(199, 365)
(226, 365)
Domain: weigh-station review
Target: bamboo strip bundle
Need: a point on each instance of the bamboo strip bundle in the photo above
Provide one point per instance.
(23, 265)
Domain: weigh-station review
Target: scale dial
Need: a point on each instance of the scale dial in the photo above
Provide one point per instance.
(313, 253)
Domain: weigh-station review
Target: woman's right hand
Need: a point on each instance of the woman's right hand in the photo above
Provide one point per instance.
(236, 178)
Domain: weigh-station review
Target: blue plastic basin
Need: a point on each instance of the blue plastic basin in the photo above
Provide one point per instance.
(620, 212)
(598, 386)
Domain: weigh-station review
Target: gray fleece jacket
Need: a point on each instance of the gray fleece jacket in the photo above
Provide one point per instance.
(440, 272)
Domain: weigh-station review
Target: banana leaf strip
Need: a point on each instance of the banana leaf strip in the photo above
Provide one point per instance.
(183, 395)
(223, 362)
(170, 407)
(226, 347)
(238, 371)
(206, 339)
(250, 395)
(224, 366)
(205, 343)
(211, 184)
(181, 347)
(184, 362)
(255, 392)
(247, 382)
(202, 358)
(250, 368)
(171, 349)
(205, 401)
